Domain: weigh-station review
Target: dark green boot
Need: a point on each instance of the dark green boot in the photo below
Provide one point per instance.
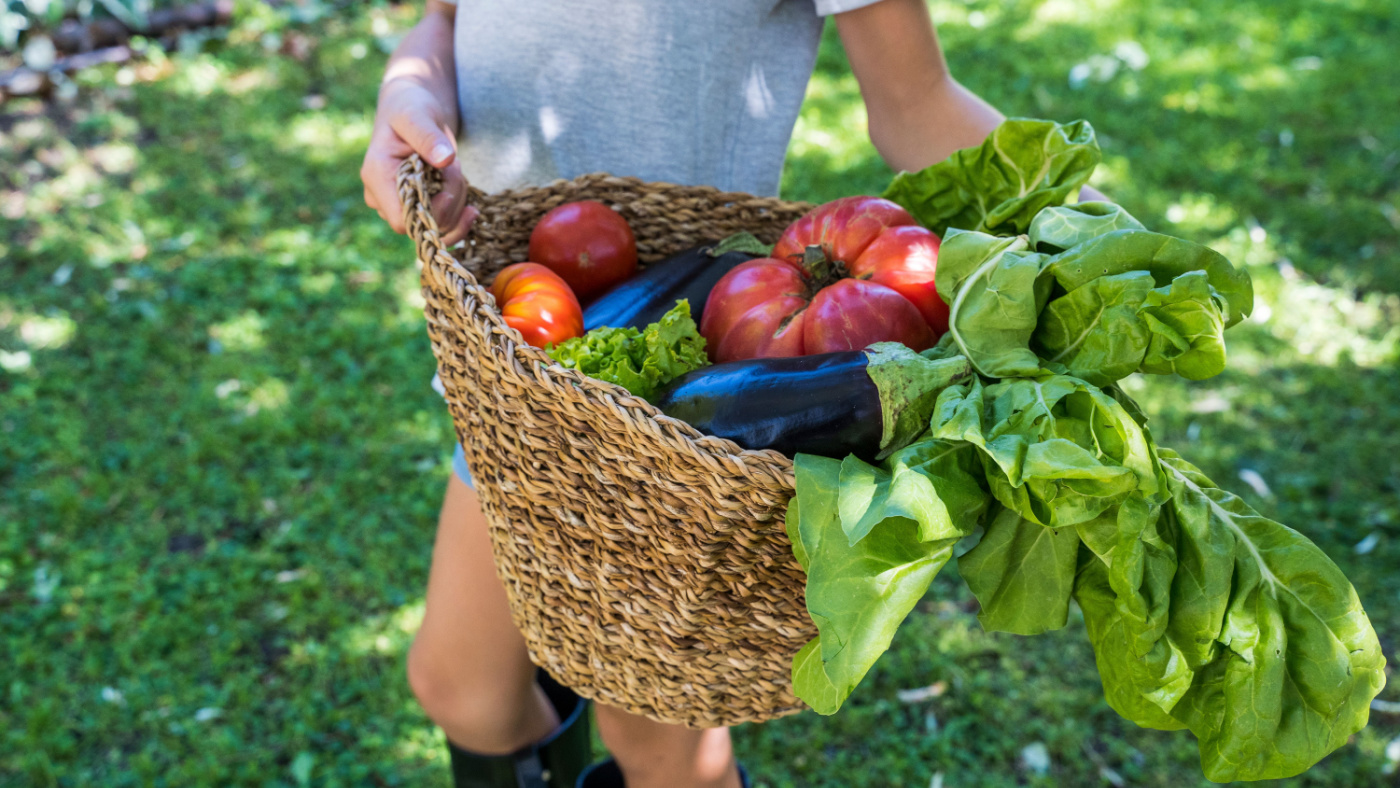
(605, 774)
(553, 762)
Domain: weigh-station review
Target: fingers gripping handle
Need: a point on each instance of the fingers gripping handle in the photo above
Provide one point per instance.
(418, 183)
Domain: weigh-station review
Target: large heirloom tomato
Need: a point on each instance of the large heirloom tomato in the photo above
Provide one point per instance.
(537, 303)
(849, 273)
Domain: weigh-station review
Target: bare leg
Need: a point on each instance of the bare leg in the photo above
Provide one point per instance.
(468, 665)
(656, 755)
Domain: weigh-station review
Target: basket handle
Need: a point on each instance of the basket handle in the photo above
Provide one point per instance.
(418, 183)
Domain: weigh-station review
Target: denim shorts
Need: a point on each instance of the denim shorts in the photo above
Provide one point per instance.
(459, 457)
(459, 466)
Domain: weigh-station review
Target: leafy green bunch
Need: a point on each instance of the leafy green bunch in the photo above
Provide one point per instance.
(1203, 614)
(639, 361)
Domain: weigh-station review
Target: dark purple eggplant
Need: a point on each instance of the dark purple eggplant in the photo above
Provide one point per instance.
(823, 404)
(863, 402)
(654, 291)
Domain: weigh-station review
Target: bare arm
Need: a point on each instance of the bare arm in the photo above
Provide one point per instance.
(417, 113)
(918, 113)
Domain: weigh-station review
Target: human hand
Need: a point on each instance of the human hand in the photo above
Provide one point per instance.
(410, 119)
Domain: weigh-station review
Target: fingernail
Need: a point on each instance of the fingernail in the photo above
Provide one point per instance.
(441, 152)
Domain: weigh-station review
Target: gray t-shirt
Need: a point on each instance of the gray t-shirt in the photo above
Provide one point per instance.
(700, 92)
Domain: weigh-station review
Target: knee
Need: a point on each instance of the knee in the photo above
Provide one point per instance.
(437, 691)
(486, 717)
(657, 754)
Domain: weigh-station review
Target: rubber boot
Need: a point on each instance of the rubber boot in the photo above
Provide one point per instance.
(553, 762)
(606, 774)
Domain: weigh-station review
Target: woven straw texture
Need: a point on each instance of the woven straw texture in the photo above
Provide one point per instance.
(646, 564)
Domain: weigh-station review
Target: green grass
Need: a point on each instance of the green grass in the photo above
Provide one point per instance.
(220, 461)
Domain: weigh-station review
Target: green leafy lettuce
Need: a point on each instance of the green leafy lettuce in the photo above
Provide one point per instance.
(999, 186)
(1090, 294)
(1203, 614)
(866, 569)
(1258, 645)
(639, 361)
(1055, 450)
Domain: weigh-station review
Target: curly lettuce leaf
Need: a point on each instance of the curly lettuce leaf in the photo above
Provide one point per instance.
(639, 361)
(998, 187)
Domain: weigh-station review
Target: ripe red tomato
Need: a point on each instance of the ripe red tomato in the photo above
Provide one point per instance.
(586, 243)
(842, 228)
(904, 259)
(872, 283)
(854, 313)
(536, 302)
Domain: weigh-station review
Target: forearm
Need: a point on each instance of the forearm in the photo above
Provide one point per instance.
(918, 114)
(424, 57)
(929, 127)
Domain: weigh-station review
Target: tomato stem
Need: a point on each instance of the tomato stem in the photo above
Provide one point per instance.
(822, 269)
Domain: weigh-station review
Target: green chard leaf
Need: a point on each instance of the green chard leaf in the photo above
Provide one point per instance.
(1123, 589)
(1096, 332)
(1022, 574)
(1058, 229)
(1163, 256)
(998, 187)
(859, 592)
(933, 483)
(1116, 325)
(1187, 324)
(1204, 614)
(1127, 683)
(1055, 450)
(1299, 662)
(1119, 302)
(998, 293)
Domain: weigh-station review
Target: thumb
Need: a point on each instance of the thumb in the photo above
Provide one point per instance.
(425, 135)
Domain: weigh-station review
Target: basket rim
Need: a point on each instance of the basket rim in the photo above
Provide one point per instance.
(417, 182)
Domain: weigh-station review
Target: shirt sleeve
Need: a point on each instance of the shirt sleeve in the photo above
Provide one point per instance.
(829, 7)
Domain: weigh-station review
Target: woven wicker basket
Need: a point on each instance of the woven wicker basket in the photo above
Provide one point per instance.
(646, 563)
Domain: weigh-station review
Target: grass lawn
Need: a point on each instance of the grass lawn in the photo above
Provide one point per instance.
(220, 460)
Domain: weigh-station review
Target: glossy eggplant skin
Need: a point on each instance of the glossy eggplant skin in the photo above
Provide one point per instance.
(654, 291)
(824, 404)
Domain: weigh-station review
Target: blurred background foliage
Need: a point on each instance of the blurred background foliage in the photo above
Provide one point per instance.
(220, 460)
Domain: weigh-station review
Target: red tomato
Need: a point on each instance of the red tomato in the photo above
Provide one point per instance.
(536, 302)
(874, 285)
(586, 243)
(842, 228)
(853, 313)
(905, 259)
